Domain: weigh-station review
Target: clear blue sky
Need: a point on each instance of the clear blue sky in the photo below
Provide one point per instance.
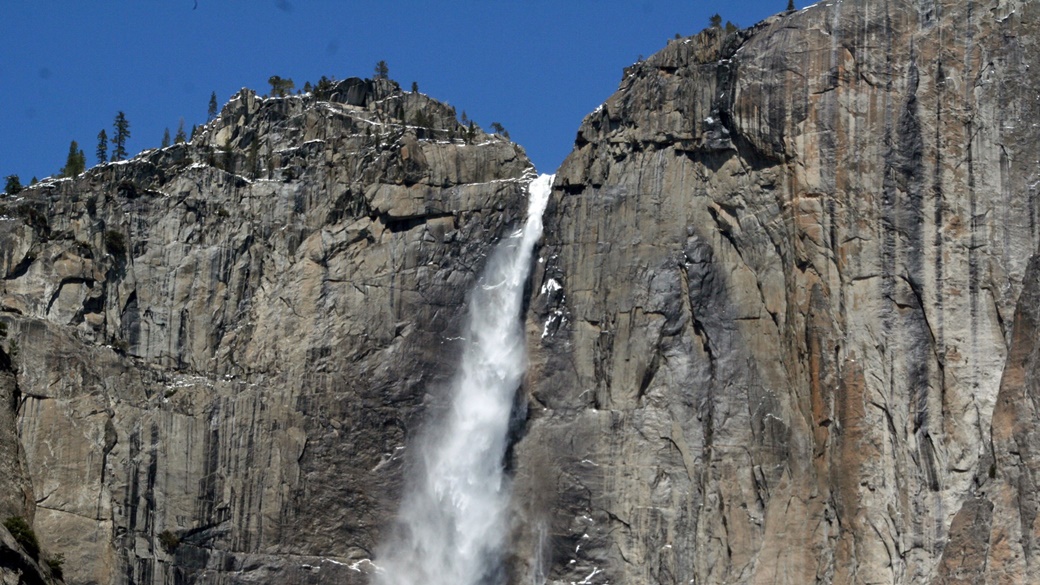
(536, 66)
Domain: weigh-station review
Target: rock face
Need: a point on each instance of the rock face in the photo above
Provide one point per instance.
(224, 345)
(17, 567)
(783, 327)
(778, 293)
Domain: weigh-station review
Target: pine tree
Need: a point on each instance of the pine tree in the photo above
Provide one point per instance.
(323, 90)
(194, 131)
(790, 6)
(122, 128)
(75, 161)
(180, 137)
(102, 147)
(166, 138)
(13, 185)
(415, 87)
(499, 129)
(382, 70)
(34, 180)
(280, 87)
(715, 21)
(212, 111)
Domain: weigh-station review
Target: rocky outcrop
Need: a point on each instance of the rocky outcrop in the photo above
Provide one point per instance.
(18, 567)
(225, 344)
(776, 298)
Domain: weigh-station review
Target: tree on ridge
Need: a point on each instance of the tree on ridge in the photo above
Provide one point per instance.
(122, 128)
(180, 137)
(13, 186)
(75, 161)
(382, 70)
(212, 111)
(280, 87)
(102, 147)
(499, 129)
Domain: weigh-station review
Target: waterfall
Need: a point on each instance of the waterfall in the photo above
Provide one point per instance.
(452, 521)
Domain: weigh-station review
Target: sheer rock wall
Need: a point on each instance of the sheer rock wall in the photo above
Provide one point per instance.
(777, 295)
(223, 346)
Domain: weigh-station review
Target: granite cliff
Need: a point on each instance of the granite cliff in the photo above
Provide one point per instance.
(782, 326)
(223, 345)
(778, 298)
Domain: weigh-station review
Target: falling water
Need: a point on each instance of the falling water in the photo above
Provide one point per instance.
(452, 519)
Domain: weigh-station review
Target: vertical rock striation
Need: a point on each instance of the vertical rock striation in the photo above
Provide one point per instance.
(778, 292)
(224, 344)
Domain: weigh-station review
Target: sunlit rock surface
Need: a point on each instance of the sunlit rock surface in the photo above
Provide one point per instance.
(223, 346)
(778, 293)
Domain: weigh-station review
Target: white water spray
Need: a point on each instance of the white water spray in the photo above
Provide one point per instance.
(452, 519)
